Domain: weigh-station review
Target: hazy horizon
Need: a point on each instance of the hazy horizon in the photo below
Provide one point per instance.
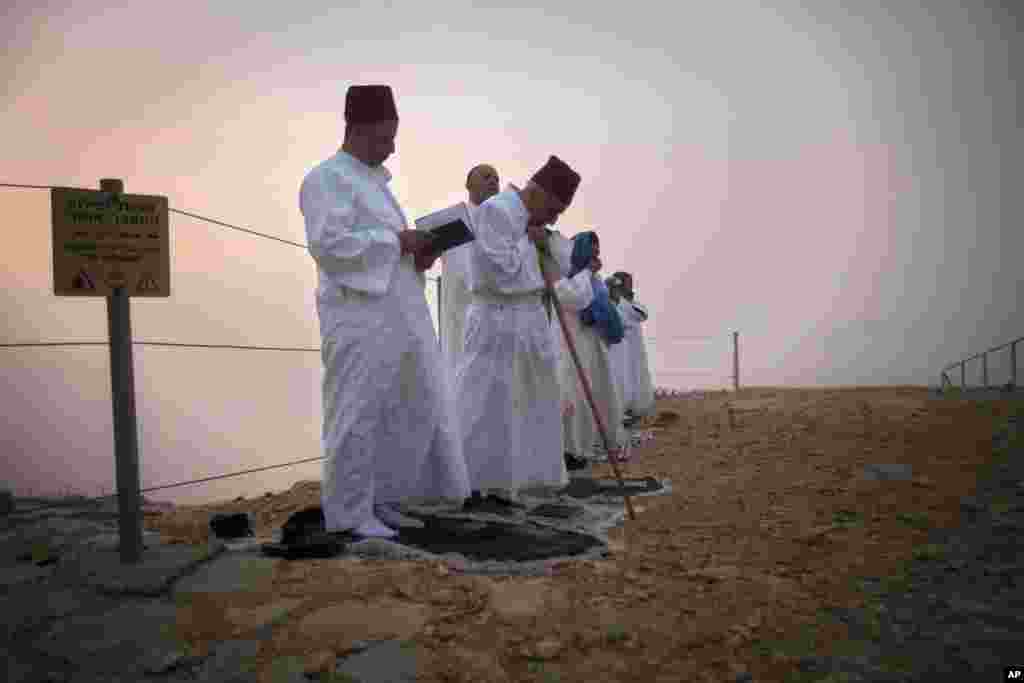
(833, 183)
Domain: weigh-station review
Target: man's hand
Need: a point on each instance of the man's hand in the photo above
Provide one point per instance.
(425, 259)
(413, 241)
(537, 234)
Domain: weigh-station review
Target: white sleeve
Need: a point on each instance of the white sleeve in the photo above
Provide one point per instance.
(350, 252)
(575, 293)
(511, 262)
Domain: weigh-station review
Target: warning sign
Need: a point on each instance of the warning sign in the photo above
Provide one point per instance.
(103, 241)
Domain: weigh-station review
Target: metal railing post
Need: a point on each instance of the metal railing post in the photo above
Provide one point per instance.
(944, 377)
(1013, 364)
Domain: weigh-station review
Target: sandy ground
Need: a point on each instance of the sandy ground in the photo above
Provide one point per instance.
(770, 521)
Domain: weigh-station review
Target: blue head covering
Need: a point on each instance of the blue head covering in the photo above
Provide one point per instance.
(600, 313)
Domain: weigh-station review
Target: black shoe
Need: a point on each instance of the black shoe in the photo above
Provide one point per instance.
(474, 502)
(498, 500)
(573, 463)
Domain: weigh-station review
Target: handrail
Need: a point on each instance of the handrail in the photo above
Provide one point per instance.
(962, 364)
(979, 355)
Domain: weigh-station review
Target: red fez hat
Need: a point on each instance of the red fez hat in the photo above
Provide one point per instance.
(557, 178)
(369, 104)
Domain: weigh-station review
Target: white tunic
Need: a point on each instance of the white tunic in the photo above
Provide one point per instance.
(455, 300)
(388, 420)
(507, 385)
(581, 435)
(640, 389)
(620, 357)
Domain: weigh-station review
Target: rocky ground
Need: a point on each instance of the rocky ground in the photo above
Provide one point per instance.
(809, 535)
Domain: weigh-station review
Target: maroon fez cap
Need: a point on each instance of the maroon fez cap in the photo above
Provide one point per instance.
(369, 104)
(557, 178)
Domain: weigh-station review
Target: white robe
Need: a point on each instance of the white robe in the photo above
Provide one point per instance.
(639, 388)
(620, 357)
(455, 300)
(389, 432)
(582, 438)
(507, 385)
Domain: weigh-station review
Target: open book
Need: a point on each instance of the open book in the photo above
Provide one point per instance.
(448, 228)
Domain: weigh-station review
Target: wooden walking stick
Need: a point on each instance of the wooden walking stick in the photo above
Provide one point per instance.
(549, 286)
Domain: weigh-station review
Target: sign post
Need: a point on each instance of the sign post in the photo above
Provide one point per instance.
(114, 245)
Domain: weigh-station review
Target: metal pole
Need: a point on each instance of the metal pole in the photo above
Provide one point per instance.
(1013, 364)
(984, 368)
(736, 361)
(963, 376)
(122, 389)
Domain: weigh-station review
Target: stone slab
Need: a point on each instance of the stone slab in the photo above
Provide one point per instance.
(152, 576)
(389, 661)
(21, 574)
(119, 639)
(33, 605)
(233, 661)
(229, 573)
(888, 472)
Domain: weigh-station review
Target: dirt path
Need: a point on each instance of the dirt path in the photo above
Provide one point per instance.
(770, 524)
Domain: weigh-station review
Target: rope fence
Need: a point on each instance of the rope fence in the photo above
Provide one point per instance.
(659, 392)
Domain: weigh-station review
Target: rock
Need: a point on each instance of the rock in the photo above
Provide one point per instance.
(476, 665)
(162, 661)
(817, 534)
(549, 648)
(337, 626)
(320, 662)
(723, 573)
(514, 599)
(888, 472)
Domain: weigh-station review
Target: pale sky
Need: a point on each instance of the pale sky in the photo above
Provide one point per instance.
(833, 183)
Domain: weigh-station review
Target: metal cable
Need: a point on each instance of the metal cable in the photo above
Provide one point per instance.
(185, 213)
(170, 344)
(183, 483)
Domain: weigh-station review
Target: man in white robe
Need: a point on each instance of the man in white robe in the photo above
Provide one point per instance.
(582, 439)
(388, 421)
(507, 385)
(640, 390)
(619, 353)
(481, 184)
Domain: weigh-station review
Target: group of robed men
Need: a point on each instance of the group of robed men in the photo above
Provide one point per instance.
(500, 408)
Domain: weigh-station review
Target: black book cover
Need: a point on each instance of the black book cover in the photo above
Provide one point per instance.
(450, 235)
